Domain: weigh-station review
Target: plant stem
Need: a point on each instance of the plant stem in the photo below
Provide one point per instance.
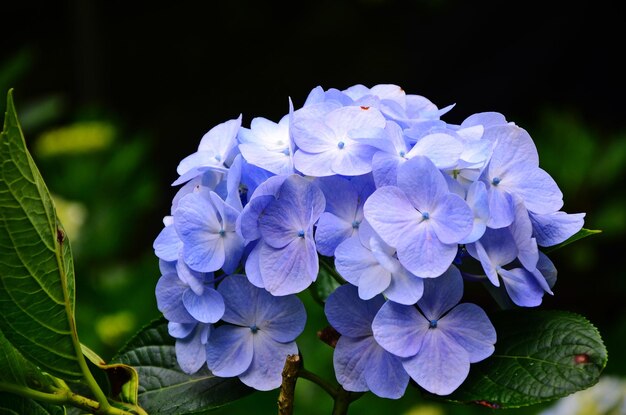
(312, 377)
(62, 397)
(343, 399)
(288, 387)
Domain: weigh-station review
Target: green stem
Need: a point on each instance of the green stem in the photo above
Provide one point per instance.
(62, 397)
(343, 399)
(312, 377)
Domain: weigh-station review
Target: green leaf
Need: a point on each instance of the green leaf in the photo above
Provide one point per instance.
(36, 268)
(540, 355)
(583, 233)
(16, 370)
(164, 388)
(16, 405)
(123, 380)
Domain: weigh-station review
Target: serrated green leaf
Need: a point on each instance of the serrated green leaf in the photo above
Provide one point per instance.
(36, 268)
(16, 405)
(16, 370)
(583, 233)
(540, 355)
(164, 389)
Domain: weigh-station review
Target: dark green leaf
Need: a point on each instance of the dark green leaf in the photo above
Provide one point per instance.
(16, 370)
(16, 405)
(583, 233)
(36, 268)
(540, 355)
(163, 387)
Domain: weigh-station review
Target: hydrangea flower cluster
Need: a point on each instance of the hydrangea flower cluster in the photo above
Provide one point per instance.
(374, 182)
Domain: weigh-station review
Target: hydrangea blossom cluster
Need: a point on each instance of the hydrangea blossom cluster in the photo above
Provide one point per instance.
(402, 203)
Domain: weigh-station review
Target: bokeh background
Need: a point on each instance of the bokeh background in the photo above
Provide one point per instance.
(113, 94)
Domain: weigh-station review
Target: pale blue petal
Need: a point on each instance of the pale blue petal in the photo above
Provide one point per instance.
(385, 168)
(207, 307)
(314, 164)
(204, 253)
(167, 244)
(537, 188)
(233, 251)
(385, 375)
(229, 350)
(513, 146)
(190, 352)
(233, 182)
(452, 219)
(441, 294)
(345, 119)
(478, 251)
(441, 364)
(478, 201)
(358, 266)
(248, 222)
(313, 136)
(330, 232)
(522, 287)
(288, 270)
(421, 252)
(180, 330)
(553, 228)
(442, 149)
(169, 296)
(196, 163)
(240, 298)
(470, 327)
(265, 371)
(391, 214)
(253, 271)
(399, 329)
(405, 288)
(341, 196)
(354, 160)
(221, 138)
(487, 119)
(501, 208)
(277, 162)
(350, 315)
(282, 318)
(547, 270)
(350, 360)
(422, 183)
(195, 280)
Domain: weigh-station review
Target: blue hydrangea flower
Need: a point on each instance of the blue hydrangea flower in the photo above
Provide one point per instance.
(361, 364)
(438, 342)
(341, 142)
(206, 226)
(478, 201)
(215, 149)
(344, 210)
(497, 249)
(268, 145)
(284, 260)
(367, 262)
(420, 218)
(513, 170)
(191, 304)
(257, 335)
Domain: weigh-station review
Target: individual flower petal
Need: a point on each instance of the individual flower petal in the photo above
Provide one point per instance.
(281, 318)
(404, 288)
(522, 287)
(359, 266)
(421, 252)
(478, 201)
(441, 364)
(229, 350)
(350, 359)
(470, 327)
(350, 315)
(330, 232)
(180, 330)
(167, 244)
(452, 219)
(385, 375)
(399, 329)
(553, 228)
(265, 370)
(442, 149)
(190, 351)
(441, 294)
(207, 307)
(169, 295)
(422, 183)
(291, 269)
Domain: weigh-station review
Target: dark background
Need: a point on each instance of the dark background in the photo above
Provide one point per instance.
(163, 74)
